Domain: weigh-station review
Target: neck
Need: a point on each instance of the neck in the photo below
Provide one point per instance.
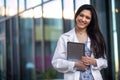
(80, 31)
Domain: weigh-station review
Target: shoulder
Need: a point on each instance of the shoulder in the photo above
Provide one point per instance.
(67, 35)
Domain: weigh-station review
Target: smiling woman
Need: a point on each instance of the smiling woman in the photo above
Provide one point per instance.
(30, 29)
(86, 31)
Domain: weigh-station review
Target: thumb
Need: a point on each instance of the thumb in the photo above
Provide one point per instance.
(86, 55)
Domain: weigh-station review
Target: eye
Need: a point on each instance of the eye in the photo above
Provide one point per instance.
(87, 17)
(81, 15)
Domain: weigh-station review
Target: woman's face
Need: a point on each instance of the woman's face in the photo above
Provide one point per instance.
(83, 19)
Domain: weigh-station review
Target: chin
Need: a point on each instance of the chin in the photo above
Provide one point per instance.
(82, 27)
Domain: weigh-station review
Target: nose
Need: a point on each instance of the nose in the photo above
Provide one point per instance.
(83, 18)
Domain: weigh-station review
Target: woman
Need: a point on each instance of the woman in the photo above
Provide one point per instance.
(86, 31)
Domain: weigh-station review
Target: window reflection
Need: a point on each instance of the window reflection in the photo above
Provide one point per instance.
(52, 20)
(15, 50)
(2, 9)
(50, 10)
(11, 9)
(26, 47)
(8, 49)
(68, 9)
(80, 2)
(32, 3)
(27, 14)
(68, 15)
(21, 5)
(2, 66)
(37, 12)
(38, 39)
(2, 28)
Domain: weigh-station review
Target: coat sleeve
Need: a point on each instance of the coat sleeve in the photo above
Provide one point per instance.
(101, 63)
(59, 60)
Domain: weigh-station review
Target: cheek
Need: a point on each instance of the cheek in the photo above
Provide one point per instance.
(78, 19)
(89, 21)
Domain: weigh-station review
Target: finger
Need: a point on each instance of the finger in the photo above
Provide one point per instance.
(86, 62)
(85, 55)
(85, 69)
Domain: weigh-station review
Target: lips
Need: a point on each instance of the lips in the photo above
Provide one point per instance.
(81, 23)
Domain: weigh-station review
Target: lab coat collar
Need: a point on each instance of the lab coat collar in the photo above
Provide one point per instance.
(71, 34)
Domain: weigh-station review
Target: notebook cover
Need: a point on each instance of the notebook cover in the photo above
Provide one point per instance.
(75, 51)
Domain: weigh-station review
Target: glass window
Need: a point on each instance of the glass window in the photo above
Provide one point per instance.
(37, 12)
(2, 52)
(2, 62)
(39, 58)
(15, 53)
(52, 23)
(45, 0)
(27, 65)
(81, 2)
(11, 7)
(2, 28)
(52, 11)
(9, 48)
(21, 5)
(68, 9)
(32, 3)
(68, 15)
(2, 9)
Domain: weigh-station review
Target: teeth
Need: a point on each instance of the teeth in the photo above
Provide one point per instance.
(82, 23)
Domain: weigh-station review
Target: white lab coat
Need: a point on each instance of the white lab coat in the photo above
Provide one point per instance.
(61, 64)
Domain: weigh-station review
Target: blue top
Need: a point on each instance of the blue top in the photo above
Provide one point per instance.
(86, 75)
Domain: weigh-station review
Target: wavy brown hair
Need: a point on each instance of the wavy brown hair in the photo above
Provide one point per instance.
(98, 46)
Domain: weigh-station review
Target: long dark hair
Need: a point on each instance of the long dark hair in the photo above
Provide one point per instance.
(98, 46)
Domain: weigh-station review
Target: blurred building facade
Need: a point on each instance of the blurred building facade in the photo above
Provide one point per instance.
(29, 30)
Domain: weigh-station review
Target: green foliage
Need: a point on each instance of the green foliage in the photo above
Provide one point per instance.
(48, 74)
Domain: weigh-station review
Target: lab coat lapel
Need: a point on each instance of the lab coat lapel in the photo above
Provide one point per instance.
(71, 35)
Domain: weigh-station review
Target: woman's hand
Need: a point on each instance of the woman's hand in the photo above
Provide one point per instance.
(80, 65)
(88, 60)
